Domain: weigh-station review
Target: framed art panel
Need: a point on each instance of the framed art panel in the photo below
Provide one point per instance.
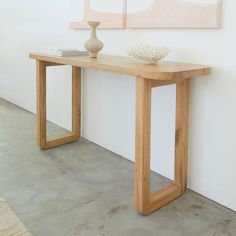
(174, 13)
(111, 13)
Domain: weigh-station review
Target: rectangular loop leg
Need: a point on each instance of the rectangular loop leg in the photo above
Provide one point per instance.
(43, 142)
(142, 149)
(181, 135)
(145, 201)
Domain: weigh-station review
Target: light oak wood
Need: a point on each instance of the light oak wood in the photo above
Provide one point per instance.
(142, 149)
(145, 201)
(41, 103)
(147, 77)
(48, 63)
(130, 66)
(43, 141)
(57, 141)
(181, 134)
(163, 197)
(159, 83)
(76, 101)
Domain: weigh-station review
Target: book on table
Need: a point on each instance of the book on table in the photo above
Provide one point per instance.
(64, 52)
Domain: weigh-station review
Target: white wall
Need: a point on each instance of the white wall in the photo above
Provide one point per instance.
(108, 114)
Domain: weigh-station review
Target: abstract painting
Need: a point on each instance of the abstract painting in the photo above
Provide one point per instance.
(111, 13)
(147, 13)
(173, 13)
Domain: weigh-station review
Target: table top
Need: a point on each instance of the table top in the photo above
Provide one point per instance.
(165, 70)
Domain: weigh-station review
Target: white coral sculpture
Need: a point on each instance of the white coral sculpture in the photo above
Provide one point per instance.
(150, 54)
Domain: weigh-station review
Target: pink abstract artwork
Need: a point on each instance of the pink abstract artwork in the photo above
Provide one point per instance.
(173, 13)
(146, 13)
(111, 13)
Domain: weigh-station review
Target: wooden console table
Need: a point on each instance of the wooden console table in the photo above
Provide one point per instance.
(147, 77)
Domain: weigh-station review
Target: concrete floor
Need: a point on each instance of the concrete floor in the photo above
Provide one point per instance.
(83, 189)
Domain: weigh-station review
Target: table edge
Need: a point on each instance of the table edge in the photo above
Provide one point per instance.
(203, 71)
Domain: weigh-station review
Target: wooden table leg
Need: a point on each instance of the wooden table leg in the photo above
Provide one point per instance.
(41, 104)
(43, 142)
(145, 201)
(181, 134)
(76, 101)
(142, 145)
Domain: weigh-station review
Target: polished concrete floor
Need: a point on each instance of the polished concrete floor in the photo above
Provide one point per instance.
(83, 189)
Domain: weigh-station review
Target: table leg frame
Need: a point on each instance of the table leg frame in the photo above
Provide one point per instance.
(42, 140)
(145, 201)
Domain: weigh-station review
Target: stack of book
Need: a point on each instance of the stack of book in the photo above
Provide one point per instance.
(64, 52)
